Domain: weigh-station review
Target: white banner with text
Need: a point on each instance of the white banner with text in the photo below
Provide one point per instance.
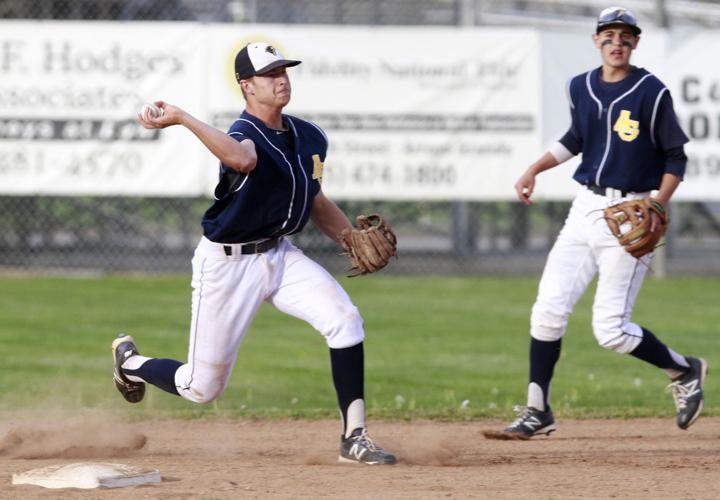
(69, 96)
(695, 85)
(411, 113)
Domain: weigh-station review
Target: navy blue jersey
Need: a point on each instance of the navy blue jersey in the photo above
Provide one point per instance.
(276, 197)
(627, 131)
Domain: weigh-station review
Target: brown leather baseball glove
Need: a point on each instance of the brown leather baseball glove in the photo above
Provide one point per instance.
(630, 223)
(369, 246)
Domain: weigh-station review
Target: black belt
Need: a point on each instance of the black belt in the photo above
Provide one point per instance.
(606, 191)
(251, 248)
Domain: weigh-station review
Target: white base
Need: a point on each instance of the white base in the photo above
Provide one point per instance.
(87, 476)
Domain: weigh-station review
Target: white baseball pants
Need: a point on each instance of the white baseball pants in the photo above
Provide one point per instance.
(227, 293)
(584, 248)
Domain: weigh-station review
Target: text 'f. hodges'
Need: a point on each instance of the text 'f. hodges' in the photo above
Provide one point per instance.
(65, 58)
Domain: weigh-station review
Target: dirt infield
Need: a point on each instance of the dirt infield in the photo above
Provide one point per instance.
(642, 458)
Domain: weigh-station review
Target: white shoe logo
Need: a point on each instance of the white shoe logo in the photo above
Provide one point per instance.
(532, 423)
(692, 388)
(357, 451)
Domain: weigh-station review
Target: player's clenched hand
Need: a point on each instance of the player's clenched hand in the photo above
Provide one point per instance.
(524, 187)
(160, 115)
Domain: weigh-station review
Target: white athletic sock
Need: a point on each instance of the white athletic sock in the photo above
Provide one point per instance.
(673, 374)
(678, 358)
(133, 363)
(535, 397)
(355, 416)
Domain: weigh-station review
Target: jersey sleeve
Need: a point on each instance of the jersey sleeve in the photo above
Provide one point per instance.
(670, 137)
(237, 133)
(676, 161)
(230, 180)
(572, 140)
(239, 130)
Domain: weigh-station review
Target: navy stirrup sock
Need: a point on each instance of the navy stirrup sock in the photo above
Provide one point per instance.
(348, 372)
(158, 372)
(656, 353)
(543, 357)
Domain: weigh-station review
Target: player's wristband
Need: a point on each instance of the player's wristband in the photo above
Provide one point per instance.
(659, 206)
(662, 211)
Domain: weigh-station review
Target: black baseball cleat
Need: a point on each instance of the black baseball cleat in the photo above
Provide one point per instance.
(687, 392)
(359, 448)
(530, 422)
(123, 347)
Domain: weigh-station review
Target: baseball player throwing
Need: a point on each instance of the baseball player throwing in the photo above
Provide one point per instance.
(624, 126)
(269, 186)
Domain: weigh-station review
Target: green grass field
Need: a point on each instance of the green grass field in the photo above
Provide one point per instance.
(450, 348)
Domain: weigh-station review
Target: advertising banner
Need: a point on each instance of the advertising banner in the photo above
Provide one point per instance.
(411, 113)
(695, 85)
(69, 95)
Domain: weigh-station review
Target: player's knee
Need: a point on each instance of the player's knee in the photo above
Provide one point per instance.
(345, 329)
(204, 386)
(546, 325)
(622, 338)
(207, 393)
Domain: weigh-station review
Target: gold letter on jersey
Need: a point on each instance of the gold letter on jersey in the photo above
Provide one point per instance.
(626, 128)
(317, 168)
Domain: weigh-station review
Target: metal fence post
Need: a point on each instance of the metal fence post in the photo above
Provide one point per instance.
(462, 235)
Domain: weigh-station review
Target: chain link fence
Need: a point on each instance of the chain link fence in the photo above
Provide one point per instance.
(156, 235)
(559, 13)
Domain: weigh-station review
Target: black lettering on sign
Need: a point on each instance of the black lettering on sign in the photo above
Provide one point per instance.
(707, 166)
(82, 129)
(430, 174)
(370, 173)
(104, 163)
(690, 89)
(699, 126)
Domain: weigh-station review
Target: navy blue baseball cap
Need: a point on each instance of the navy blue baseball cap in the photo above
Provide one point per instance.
(257, 58)
(617, 16)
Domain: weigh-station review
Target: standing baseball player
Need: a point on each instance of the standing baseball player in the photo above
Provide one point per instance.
(624, 126)
(269, 186)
